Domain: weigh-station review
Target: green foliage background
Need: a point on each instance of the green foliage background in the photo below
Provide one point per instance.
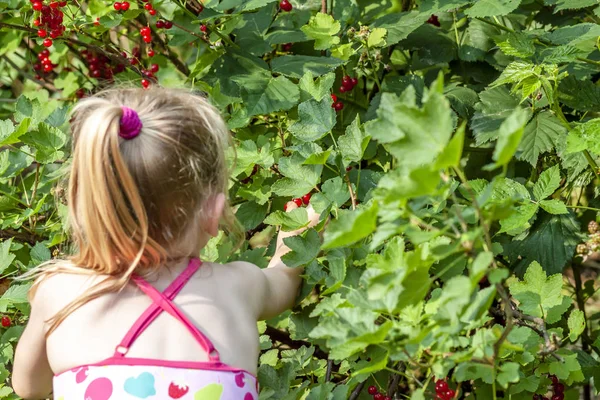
(459, 179)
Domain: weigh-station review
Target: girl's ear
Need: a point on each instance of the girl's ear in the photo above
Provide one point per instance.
(213, 216)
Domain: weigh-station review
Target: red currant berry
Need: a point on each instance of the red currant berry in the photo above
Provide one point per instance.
(306, 198)
(48, 67)
(200, 8)
(37, 6)
(44, 53)
(168, 24)
(148, 6)
(334, 98)
(433, 20)
(55, 33)
(441, 386)
(338, 106)
(354, 82)
(553, 378)
(47, 42)
(154, 68)
(117, 6)
(97, 21)
(62, 3)
(343, 89)
(559, 388)
(36, 22)
(372, 390)
(80, 93)
(558, 396)
(125, 6)
(298, 202)
(54, 4)
(203, 28)
(285, 5)
(46, 10)
(450, 394)
(377, 396)
(145, 31)
(145, 83)
(387, 398)
(160, 24)
(6, 322)
(349, 168)
(147, 38)
(150, 53)
(152, 12)
(42, 33)
(286, 47)
(347, 81)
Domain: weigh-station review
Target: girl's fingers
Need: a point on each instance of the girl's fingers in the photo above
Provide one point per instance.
(290, 205)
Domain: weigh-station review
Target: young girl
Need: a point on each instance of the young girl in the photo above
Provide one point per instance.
(133, 313)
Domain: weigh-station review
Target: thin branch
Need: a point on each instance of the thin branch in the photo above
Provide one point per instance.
(324, 6)
(352, 195)
(329, 368)
(356, 392)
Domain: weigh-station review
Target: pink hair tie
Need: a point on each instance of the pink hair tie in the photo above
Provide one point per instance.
(130, 124)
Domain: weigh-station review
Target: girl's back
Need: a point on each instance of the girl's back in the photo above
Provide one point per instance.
(134, 313)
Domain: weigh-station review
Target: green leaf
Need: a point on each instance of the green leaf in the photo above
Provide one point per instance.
(537, 293)
(509, 373)
(377, 37)
(7, 129)
(323, 29)
(68, 84)
(576, 323)
(496, 105)
(15, 295)
(518, 221)
(353, 143)
(48, 141)
(296, 66)
(574, 4)
(316, 89)
(400, 25)
(554, 206)
(492, 8)
(477, 41)
(251, 214)
(351, 226)
(316, 119)
(452, 154)
(547, 183)
(414, 135)
(304, 249)
(299, 179)
(517, 44)
(40, 253)
(436, 6)
(264, 95)
(248, 154)
(585, 137)
(6, 257)
(509, 136)
(582, 35)
(563, 230)
(335, 191)
(542, 134)
(289, 221)
(579, 95)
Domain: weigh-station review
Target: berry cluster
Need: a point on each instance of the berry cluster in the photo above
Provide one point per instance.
(49, 21)
(44, 65)
(146, 33)
(299, 201)
(337, 105)
(6, 322)
(160, 24)
(558, 390)
(150, 9)
(593, 243)
(100, 66)
(348, 84)
(372, 390)
(121, 6)
(442, 391)
(285, 5)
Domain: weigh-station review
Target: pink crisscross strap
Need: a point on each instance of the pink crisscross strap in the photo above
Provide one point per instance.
(163, 302)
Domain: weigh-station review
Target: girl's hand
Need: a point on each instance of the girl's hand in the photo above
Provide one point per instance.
(313, 220)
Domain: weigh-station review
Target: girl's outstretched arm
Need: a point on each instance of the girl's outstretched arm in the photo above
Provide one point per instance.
(282, 282)
(32, 375)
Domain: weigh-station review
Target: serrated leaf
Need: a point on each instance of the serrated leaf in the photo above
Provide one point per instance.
(323, 29)
(351, 226)
(6, 257)
(40, 253)
(264, 95)
(353, 143)
(537, 293)
(377, 37)
(509, 136)
(400, 25)
(573, 4)
(496, 105)
(562, 230)
(585, 137)
(492, 8)
(299, 179)
(582, 35)
(436, 6)
(516, 72)
(517, 44)
(579, 95)
(518, 221)
(576, 323)
(477, 41)
(316, 89)
(315, 120)
(542, 134)
(296, 66)
(554, 206)
(562, 54)
(289, 221)
(508, 373)
(547, 183)
(251, 214)
(452, 154)
(304, 249)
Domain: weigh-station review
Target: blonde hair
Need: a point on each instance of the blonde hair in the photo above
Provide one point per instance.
(131, 201)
